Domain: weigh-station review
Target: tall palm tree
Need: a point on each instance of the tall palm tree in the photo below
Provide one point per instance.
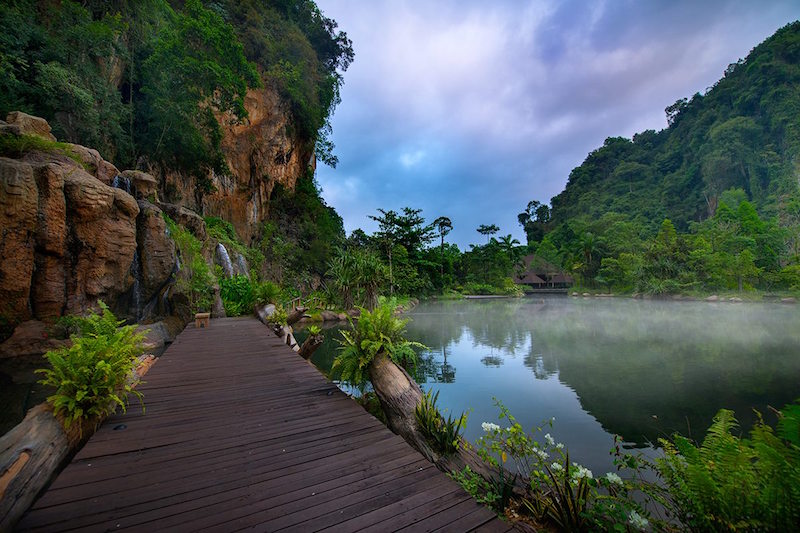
(443, 225)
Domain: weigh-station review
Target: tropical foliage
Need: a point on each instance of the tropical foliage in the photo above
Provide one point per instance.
(728, 483)
(151, 79)
(89, 377)
(376, 332)
(443, 434)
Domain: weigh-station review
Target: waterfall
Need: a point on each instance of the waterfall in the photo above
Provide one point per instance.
(121, 182)
(136, 290)
(242, 264)
(225, 259)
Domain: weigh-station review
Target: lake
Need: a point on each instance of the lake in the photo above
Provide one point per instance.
(640, 369)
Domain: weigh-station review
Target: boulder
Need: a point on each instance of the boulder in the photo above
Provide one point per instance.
(328, 316)
(789, 300)
(156, 249)
(186, 218)
(30, 338)
(30, 125)
(94, 164)
(159, 334)
(712, 298)
(145, 185)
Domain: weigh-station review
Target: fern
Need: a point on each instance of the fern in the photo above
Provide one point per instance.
(729, 483)
(375, 332)
(89, 376)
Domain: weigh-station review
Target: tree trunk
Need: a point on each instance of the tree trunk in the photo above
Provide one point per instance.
(36, 449)
(399, 396)
(296, 315)
(310, 345)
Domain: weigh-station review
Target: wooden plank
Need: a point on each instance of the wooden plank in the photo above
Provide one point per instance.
(241, 432)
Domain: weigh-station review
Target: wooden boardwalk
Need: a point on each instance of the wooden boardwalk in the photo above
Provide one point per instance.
(242, 433)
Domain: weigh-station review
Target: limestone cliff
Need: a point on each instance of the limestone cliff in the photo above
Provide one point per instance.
(262, 152)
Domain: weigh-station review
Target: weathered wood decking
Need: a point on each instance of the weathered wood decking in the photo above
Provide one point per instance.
(240, 432)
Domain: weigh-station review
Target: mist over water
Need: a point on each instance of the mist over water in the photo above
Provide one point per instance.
(639, 369)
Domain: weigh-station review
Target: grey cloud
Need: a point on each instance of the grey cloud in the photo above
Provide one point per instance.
(505, 98)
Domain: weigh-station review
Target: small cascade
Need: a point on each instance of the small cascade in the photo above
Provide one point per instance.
(242, 264)
(121, 182)
(225, 260)
(136, 290)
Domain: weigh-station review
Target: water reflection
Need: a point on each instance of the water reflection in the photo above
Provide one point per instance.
(640, 369)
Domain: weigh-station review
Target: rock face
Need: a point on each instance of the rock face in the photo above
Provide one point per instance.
(260, 153)
(156, 249)
(68, 239)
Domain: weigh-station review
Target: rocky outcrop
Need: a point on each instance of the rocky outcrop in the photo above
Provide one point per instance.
(68, 239)
(260, 153)
(186, 218)
(24, 124)
(144, 185)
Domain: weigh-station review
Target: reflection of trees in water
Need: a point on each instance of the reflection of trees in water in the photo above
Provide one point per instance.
(492, 360)
(644, 369)
(627, 360)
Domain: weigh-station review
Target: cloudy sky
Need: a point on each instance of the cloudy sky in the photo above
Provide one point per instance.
(471, 108)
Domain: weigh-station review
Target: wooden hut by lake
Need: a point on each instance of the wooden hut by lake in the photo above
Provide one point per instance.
(538, 274)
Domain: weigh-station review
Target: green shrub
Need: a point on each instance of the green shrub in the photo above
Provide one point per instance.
(442, 434)
(267, 292)
(733, 484)
(279, 317)
(89, 376)
(195, 278)
(221, 230)
(314, 330)
(377, 331)
(237, 295)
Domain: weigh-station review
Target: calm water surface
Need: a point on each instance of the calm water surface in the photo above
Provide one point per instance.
(639, 369)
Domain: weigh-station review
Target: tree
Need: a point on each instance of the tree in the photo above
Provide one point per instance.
(407, 230)
(534, 220)
(489, 230)
(444, 225)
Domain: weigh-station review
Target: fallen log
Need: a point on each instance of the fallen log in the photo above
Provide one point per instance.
(35, 450)
(310, 345)
(296, 315)
(399, 396)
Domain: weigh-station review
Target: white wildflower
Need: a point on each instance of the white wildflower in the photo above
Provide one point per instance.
(560, 446)
(542, 454)
(614, 478)
(549, 439)
(489, 427)
(557, 467)
(581, 472)
(637, 521)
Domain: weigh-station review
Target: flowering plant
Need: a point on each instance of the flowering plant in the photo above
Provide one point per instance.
(556, 489)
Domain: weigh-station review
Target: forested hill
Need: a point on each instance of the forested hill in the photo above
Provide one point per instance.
(156, 82)
(743, 133)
